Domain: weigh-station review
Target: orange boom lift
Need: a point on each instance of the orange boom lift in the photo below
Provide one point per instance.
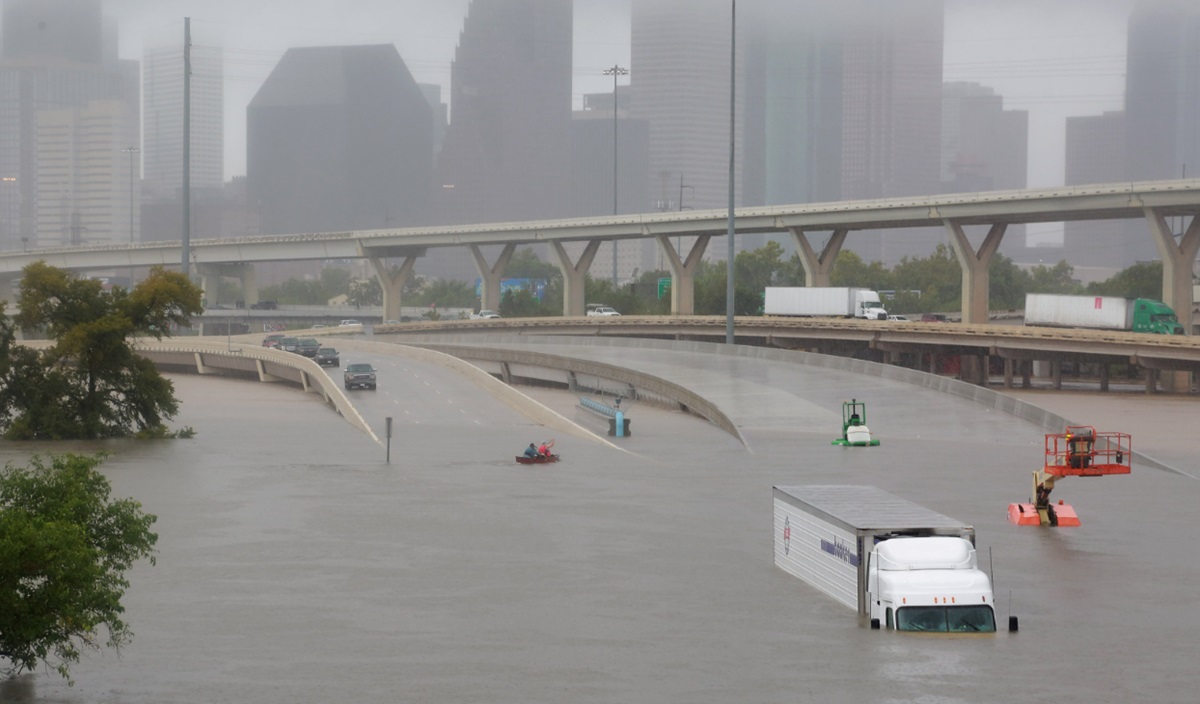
(1079, 452)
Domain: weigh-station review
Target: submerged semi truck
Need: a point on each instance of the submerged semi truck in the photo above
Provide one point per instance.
(1101, 313)
(901, 565)
(823, 301)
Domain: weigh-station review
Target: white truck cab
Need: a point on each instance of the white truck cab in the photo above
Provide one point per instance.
(929, 584)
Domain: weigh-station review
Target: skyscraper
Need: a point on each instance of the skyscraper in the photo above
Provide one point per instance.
(339, 138)
(60, 76)
(162, 147)
(1096, 154)
(1162, 91)
(506, 152)
(984, 148)
(679, 79)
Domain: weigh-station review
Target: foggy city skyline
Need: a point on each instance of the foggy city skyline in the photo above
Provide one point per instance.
(835, 102)
(1054, 59)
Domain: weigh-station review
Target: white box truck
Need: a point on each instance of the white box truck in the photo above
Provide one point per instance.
(823, 301)
(902, 565)
(1101, 313)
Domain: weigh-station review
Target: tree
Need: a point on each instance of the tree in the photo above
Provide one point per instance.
(90, 383)
(1056, 279)
(1142, 280)
(64, 550)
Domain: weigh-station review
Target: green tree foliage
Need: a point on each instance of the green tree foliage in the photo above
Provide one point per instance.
(938, 277)
(1142, 280)
(64, 550)
(90, 383)
(851, 270)
(446, 294)
(366, 292)
(333, 282)
(1006, 284)
(524, 264)
(1059, 278)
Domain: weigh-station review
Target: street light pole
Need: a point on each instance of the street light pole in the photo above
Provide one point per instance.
(729, 289)
(614, 72)
(132, 152)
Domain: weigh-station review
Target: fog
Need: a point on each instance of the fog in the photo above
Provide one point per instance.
(1054, 58)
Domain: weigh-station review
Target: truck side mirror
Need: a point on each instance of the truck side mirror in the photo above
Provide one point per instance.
(1012, 624)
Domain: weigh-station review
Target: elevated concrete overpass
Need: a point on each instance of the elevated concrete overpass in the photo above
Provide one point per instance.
(918, 344)
(576, 241)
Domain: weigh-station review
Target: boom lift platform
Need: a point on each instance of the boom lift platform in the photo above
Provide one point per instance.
(1079, 452)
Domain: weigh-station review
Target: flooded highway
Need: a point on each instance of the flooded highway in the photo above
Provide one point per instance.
(296, 565)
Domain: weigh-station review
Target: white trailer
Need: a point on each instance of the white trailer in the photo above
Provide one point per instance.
(823, 301)
(900, 564)
(1101, 313)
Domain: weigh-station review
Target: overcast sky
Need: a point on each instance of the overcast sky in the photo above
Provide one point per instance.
(1054, 58)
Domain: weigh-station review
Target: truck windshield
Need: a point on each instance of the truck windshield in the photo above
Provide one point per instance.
(946, 619)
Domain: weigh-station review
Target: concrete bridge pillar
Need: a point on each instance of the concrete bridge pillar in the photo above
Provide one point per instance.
(1178, 258)
(8, 292)
(818, 268)
(683, 273)
(974, 266)
(211, 274)
(392, 283)
(249, 279)
(575, 276)
(491, 275)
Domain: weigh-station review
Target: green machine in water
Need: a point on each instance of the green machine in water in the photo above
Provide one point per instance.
(854, 426)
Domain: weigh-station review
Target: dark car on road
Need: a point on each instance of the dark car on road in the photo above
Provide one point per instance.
(308, 346)
(288, 344)
(327, 357)
(359, 376)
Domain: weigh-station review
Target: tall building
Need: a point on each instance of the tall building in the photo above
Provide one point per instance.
(84, 183)
(679, 78)
(506, 152)
(793, 114)
(339, 138)
(984, 148)
(593, 160)
(162, 146)
(1096, 153)
(1162, 91)
(59, 58)
(892, 110)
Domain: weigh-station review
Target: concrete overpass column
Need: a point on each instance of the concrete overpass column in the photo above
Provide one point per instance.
(491, 275)
(392, 283)
(575, 276)
(683, 273)
(1178, 259)
(974, 266)
(8, 292)
(817, 269)
(249, 279)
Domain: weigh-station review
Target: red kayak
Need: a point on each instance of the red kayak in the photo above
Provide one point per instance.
(540, 459)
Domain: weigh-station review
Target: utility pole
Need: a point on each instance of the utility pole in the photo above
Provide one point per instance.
(186, 244)
(614, 72)
(132, 152)
(729, 337)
